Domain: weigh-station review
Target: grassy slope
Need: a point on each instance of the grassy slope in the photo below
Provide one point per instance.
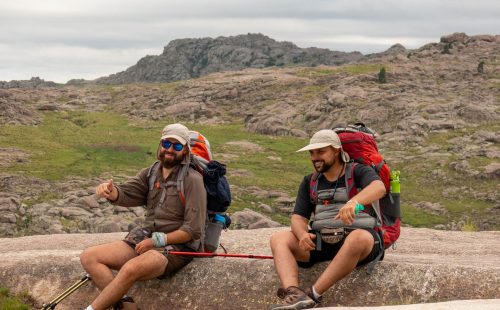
(88, 144)
(10, 302)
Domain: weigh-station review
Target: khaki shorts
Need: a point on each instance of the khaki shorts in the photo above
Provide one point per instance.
(175, 262)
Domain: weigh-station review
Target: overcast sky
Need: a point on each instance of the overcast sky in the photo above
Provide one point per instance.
(58, 40)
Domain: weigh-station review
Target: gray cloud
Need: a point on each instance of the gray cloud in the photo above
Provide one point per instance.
(58, 40)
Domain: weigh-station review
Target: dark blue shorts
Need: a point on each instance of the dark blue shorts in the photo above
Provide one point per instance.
(328, 251)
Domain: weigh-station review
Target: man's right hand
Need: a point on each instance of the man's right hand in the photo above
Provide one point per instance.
(306, 242)
(107, 190)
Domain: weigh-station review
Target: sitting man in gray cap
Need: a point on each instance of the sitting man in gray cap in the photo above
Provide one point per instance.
(173, 221)
(335, 193)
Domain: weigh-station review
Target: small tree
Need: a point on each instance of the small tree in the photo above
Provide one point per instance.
(381, 76)
(446, 49)
(480, 67)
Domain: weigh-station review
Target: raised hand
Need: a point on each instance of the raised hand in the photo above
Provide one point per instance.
(107, 190)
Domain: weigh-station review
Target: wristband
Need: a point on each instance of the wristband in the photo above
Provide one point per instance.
(158, 239)
(358, 208)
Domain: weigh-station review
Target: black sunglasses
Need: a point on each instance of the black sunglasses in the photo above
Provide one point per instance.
(167, 144)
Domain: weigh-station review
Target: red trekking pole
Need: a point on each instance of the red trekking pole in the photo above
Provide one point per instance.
(205, 254)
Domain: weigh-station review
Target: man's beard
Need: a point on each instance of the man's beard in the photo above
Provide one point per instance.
(325, 166)
(171, 162)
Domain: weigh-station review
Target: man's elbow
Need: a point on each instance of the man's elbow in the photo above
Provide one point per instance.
(380, 188)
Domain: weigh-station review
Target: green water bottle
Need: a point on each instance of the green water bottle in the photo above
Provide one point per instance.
(395, 185)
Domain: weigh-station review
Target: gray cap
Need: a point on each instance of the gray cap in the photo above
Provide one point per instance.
(176, 131)
(324, 138)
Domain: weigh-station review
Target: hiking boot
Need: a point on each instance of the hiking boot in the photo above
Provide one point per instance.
(293, 298)
(310, 293)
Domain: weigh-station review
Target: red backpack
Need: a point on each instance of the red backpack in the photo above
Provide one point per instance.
(359, 142)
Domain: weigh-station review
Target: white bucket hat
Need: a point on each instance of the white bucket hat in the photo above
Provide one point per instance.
(324, 138)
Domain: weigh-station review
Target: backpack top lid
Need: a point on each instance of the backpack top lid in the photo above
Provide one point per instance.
(359, 142)
(357, 127)
(199, 145)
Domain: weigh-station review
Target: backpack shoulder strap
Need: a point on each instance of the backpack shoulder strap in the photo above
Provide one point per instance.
(178, 183)
(313, 187)
(352, 189)
(152, 175)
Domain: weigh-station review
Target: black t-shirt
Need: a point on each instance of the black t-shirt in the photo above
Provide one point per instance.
(363, 176)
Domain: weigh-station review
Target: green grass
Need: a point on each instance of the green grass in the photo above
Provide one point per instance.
(80, 144)
(89, 144)
(13, 302)
(416, 218)
(363, 68)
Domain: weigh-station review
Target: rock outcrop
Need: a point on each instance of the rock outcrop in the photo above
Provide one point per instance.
(34, 82)
(184, 59)
(427, 266)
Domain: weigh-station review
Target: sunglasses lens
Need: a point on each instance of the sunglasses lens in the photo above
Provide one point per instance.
(167, 144)
(178, 147)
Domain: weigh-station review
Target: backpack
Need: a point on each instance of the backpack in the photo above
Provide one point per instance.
(359, 142)
(216, 185)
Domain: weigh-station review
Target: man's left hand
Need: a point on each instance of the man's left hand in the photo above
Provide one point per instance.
(144, 246)
(346, 213)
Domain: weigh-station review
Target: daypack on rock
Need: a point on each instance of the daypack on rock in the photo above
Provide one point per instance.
(359, 142)
(216, 185)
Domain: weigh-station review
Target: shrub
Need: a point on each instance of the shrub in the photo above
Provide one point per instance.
(480, 67)
(381, 76)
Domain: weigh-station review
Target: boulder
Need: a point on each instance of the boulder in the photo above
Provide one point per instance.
(249, 219)
(427, 266)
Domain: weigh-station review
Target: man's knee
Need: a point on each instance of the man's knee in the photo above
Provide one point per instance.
(130, 270)
(280, 238)
(88, 256)
(359, 239)
(151, 263)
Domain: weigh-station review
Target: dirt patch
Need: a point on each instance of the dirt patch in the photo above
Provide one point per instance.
(246, 145)
(11, 156)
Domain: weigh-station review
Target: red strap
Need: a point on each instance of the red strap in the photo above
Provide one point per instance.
(181, 197)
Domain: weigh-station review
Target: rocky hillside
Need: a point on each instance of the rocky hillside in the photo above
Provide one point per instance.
(438, 116)
(191, 58)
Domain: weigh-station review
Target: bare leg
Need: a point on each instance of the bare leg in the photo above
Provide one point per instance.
(99, 260)
(356, 247)
(286, 252)
(146, 266)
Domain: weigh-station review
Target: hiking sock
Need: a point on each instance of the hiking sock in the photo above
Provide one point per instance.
(316, 295)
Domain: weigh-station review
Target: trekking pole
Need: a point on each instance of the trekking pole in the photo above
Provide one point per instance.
(53, 303)
(204, 254)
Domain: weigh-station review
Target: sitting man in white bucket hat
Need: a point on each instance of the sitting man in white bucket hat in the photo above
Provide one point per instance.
(340, 231)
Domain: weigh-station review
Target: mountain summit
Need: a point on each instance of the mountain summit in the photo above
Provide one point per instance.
(184, 59)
